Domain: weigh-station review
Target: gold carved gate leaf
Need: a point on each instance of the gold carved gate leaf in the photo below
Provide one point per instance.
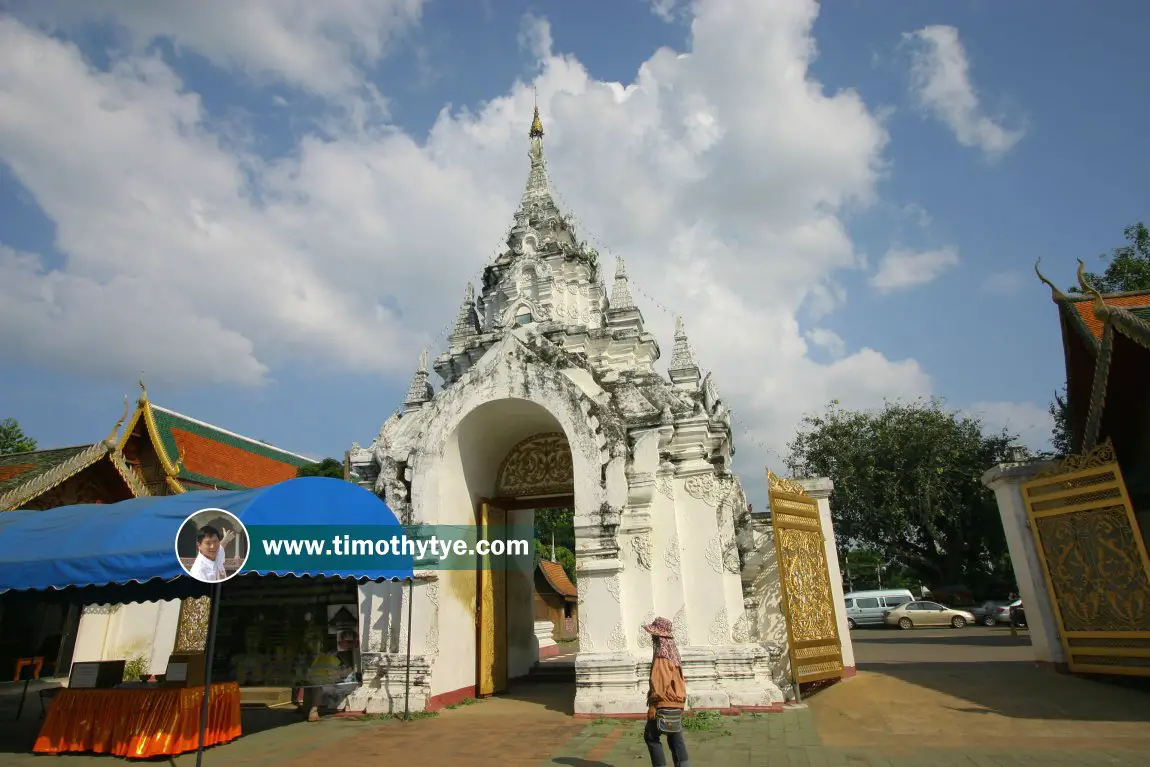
(805, 583)
(1094, 563)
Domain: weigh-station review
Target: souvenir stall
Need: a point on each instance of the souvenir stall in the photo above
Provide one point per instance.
(123, 552)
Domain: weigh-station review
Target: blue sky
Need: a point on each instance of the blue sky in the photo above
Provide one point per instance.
(270, 209)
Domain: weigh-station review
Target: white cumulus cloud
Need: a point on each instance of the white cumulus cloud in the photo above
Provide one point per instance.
(900, 269)
(941, 85)
(1031, 423)
(720, 173)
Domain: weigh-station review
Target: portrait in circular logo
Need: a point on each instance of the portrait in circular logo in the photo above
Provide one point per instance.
(212, 545)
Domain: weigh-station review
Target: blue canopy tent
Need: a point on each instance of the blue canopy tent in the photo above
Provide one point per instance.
(125, 552)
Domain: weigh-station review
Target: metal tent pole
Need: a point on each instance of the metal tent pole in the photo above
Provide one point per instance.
(213, 621)
(407, 669)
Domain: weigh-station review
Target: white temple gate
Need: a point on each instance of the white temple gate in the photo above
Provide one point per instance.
(550, 398)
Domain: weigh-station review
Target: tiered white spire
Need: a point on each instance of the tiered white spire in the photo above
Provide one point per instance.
(467, 323)
(621, 291)
(420, 390)
(682, 369)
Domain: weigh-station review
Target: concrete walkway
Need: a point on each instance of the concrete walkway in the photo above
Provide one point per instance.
(997, 715)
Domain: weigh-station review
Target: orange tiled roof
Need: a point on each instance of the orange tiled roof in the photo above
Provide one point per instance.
(1085, 308)
(210, 458)
(199, 455)
(557, 577)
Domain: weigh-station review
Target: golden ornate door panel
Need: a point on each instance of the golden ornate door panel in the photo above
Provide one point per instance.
(805, 583)
(491, 607)
(1094, 563)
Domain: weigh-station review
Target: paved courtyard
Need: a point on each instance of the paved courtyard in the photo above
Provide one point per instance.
(921, 698)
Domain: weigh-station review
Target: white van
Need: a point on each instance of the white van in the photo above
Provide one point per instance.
(865, 608)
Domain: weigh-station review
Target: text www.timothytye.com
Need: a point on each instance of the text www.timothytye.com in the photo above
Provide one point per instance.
(345, 546)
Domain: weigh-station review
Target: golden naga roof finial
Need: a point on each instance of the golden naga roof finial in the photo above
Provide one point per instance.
(536, 124)
(143, 388)
(1099, 303)
(113, 437)
(179, 465)
(1055, 293)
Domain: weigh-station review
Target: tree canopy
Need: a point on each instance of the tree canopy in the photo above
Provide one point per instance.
(559, 523)
(908, 488)
(1128, 267)
(328, 467)
(13, 439)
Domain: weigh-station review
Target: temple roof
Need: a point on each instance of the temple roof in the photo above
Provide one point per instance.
(25, 476)
(1137, 303)
(558, 580)
(1105, 337)
(198, 455)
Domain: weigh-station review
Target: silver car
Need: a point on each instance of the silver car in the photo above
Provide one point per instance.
(924, 614)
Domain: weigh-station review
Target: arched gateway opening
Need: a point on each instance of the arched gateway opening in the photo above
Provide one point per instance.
(511, 458)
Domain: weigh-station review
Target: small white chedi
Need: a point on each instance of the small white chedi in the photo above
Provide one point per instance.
(550, 389)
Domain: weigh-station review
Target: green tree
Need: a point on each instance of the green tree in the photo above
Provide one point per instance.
(908, 485)
(328, 467)
(1061, 434)
(1129, 266)
(13, 439)
(559, 523)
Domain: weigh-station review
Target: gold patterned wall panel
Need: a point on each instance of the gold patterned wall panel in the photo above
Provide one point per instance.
(539, 465)
(491, 606)
(192, 628)
(1094, 563)
(804, 583)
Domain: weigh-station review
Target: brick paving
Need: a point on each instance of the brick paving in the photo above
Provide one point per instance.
(971, 712)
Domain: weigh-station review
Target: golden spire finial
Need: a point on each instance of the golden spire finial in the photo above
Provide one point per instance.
(143, 388)
(1054, 291)
(536, 124)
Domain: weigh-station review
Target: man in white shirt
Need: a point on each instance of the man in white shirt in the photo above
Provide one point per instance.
(209, 564)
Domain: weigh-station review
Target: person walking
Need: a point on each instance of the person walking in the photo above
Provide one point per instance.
(666, 697)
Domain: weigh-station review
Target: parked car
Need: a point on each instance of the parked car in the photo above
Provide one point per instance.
(987, 613)
(866, 608)
(922, 614)
(1001, 613)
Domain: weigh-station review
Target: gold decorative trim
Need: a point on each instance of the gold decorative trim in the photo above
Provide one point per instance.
(112, 437)
(1099, 456)
(135, 483)
(170, 467)
(539, 465)
(58, 474)
(777, 483)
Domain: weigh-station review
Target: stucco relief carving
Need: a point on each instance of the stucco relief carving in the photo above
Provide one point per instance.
(722, 554)
(679, 627)
(585, 643)
(720, 629)
(431, 640)
(707, 488)
(433, 593)
(671, 555)
(643, 638)
(615, 588)
(618, 639)
(538, 465)
(741, 633)
(664, 484)
(641, 545)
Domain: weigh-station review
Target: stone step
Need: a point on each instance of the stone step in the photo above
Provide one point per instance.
(550, 673)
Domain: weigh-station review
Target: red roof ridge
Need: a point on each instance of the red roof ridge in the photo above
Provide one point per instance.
(233, 434)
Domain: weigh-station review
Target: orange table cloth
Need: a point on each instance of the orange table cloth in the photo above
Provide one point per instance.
(138, 723)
